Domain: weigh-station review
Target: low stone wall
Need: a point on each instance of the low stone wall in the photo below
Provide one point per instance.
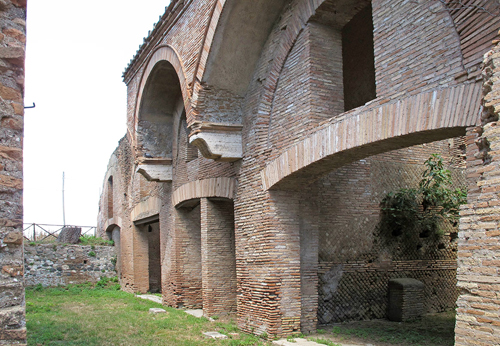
(58, 264)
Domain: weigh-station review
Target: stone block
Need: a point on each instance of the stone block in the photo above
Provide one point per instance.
(157, 311)
(13, 334)
(15, 237)
(70, 235)
(13, 270)
(13, 317)
(11, 293)
(215, 335)
(10, 94)
(19, 3)
(405, 299)
(11, 52)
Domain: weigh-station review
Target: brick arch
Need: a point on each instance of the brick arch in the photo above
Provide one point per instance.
(223, 61)
(163, 53)
(288, 39)
(418, 119)
(475, 40)
(206, 47)
(214, 187)
(112, 226)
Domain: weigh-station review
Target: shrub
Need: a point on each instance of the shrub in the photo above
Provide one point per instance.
(425, 207)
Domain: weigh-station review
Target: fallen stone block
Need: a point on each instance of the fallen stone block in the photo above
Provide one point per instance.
(215, 335)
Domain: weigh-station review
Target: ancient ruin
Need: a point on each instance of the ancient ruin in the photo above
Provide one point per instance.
(262, 137)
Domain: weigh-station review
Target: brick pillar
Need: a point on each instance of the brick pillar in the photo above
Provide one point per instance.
(478, 273)
(188, 246)
(12, 304)
(127, 255)
(218, 257)
(154, 256)
(141, 260)
(309, 243)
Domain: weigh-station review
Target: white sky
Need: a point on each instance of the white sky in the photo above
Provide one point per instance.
(76, 54)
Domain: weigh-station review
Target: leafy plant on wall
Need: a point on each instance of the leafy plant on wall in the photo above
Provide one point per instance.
(424, 208)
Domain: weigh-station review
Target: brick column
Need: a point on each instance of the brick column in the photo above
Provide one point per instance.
(478, 273)
(141, 260)
(12, 43)
(309, 243)
(188, 266)
(154, 257)
(218, 257)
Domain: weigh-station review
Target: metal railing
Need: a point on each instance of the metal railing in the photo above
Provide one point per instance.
(41, 232)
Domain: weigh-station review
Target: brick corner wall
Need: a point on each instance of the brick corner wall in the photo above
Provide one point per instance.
(478, 321)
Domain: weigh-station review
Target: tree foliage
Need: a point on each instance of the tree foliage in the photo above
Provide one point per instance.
(425, 207)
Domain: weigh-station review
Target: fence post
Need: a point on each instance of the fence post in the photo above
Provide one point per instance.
(34, 233)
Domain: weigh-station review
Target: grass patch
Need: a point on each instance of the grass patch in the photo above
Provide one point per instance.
(324, 341)
(431, 330)
(92, 240)
(103, 315)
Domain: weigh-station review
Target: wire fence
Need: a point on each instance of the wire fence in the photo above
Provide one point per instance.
(40, 232)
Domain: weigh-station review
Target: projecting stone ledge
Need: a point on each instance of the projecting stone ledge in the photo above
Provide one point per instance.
(155, 169)
(221, 142)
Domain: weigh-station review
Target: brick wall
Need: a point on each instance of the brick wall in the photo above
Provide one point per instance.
(478, 322)
(12, 54)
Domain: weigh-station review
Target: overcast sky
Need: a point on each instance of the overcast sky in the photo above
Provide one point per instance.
(76, 54)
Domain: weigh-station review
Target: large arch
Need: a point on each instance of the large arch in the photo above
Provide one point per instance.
(162, 53)
(225, 62)
(418, 119)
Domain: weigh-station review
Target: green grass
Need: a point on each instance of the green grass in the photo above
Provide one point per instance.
(324, 341)
(431, 330)
(104, 315)
(92, 240)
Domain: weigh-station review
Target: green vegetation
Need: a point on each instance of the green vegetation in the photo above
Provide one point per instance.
(101, 314)
(432, 330)
(426, 207)
(324, 341)
(93, 240)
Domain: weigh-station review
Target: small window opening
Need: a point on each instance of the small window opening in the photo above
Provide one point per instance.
(358, 60)
(110, 197)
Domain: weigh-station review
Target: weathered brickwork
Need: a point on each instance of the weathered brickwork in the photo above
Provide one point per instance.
(478, 320)
(53, 265)
(264, 91)
(12, 55)
(218, 252)
(356, 258)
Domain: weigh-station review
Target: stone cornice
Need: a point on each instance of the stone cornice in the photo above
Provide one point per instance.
(217, 141)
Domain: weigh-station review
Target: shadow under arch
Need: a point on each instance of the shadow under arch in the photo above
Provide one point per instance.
(164, 75)
(113, 232)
